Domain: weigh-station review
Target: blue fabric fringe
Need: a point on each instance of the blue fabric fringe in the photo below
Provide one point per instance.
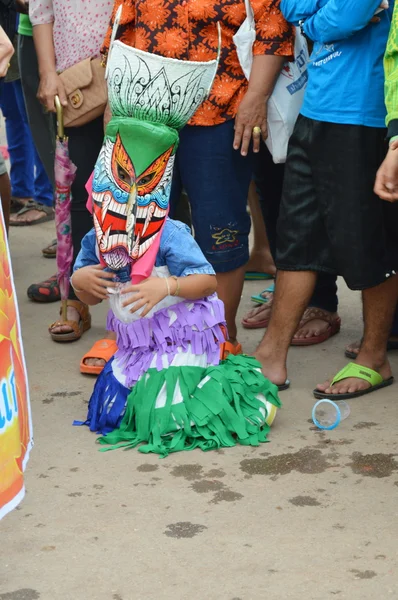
(107, 403)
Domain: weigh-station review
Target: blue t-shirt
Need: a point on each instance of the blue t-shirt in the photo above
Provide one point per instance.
(345, 74)
(177, 250)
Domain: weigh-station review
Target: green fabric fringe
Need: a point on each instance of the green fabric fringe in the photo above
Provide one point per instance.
(224, 408)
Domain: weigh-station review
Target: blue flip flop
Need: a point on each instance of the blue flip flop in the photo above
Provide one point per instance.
(259, 299)
(257, 276)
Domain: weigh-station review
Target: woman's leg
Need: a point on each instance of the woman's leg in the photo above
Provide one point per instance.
(43, 188)
(25, 163)
(44, 191)
(217, 180)
(268, 178)
(260, 260)
(42, 124)
(20, 144)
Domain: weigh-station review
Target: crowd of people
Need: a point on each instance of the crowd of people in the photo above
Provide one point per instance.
(177, 149)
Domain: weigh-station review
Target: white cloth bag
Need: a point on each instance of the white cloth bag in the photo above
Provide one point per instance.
(286, 100)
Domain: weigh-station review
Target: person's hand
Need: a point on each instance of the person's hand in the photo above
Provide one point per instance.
(93, 280)
(50, 86)
(383, 6)
(22, 6)
(252, 113)
(149, 292)
(6, 52)
(386, 186)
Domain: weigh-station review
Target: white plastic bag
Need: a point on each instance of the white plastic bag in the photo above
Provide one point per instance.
(244, 39)
(286, 100)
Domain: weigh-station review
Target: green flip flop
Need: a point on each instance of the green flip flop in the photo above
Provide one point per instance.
(358, 371)
(258, 298)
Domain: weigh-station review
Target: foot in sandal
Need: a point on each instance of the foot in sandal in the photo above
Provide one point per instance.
(316, 326)
(32, 213)
(50, 251)
(352, 350)
(99, 354)
(78, 320)
(356, 379)
(259, 316)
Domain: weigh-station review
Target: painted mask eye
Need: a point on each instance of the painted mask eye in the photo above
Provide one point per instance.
(123, 175)
(147, 178)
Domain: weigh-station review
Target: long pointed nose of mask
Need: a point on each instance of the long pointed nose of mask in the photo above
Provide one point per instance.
(131, 218)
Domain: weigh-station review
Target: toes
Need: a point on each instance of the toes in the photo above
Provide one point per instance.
(94, 362)
(301, 333)
(323, 387)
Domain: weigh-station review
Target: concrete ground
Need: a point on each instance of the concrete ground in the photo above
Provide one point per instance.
(309, 516)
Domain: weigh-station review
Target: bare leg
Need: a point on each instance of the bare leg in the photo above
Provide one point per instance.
(229, 290)
(5, 194)
(260, 256)
(379, 304)
(293, 291)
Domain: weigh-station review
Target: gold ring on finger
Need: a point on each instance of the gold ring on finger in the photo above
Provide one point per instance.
(257, 130)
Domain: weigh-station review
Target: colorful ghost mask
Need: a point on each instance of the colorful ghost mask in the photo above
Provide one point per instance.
(131, 188)
(151, 98)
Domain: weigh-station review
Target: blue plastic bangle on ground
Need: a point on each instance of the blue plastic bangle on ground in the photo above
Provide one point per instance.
(338, 415)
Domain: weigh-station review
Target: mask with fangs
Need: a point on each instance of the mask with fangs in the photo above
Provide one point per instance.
(131, 188)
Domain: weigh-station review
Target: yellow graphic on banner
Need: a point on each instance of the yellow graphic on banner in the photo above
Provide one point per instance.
(15, 418)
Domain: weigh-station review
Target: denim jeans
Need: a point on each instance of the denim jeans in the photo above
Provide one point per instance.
(216, 178)
(28, 177)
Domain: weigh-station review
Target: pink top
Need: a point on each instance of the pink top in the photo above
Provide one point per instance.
(79, 27)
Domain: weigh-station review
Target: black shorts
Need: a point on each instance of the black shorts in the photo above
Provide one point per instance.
(330, 219)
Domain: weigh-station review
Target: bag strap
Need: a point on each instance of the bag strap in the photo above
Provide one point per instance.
(249, 12)
(116, 24)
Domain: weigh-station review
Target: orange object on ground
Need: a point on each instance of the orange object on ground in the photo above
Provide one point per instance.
(227, 348)
(104, 349)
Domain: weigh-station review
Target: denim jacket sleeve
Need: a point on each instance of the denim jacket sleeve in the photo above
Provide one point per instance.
(180, 252)
(88, 252)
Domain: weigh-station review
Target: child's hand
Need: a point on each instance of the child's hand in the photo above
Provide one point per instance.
(149, 292)
(93, 280)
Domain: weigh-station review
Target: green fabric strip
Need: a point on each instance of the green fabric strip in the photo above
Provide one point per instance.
(219, 409)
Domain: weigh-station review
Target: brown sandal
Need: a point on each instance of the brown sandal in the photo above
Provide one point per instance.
(78, 327)
(310, 314)
(50, 251)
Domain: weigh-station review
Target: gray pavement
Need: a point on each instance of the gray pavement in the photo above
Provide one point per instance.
(309, 516)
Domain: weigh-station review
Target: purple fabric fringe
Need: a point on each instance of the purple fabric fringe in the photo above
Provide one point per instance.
(140, 340)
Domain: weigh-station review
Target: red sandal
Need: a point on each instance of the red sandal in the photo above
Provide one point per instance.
(311, 313)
